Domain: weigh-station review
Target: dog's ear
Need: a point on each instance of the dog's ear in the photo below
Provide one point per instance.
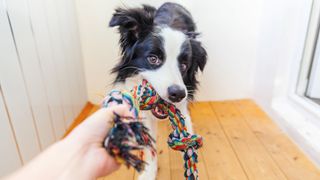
(133, 23)
(199, 54)
(199, 60)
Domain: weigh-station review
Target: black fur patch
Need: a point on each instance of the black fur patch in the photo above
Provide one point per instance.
(134, 57)
(175, 16)
(198, 61)
(134, 24)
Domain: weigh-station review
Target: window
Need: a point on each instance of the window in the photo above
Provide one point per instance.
(309, 80)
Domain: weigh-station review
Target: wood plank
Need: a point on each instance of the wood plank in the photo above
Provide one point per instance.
(46, 63)
(77, 44)
(64, 26)
(202, 169)
(219, 158)
(122, 174)
(289, 158)
(70, 8)
(15, 92)
(176, 163)
(253, 156)
(9, 152)
(59, 57)
(31, 71)
(163, 151)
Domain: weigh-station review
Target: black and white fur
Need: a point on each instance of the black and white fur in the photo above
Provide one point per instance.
(159, 45)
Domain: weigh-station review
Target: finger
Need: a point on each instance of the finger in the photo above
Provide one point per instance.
(99, 123)
(105, 115)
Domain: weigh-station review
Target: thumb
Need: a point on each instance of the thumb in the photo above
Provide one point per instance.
(99, 123)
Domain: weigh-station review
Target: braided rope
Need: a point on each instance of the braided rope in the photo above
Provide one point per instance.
(144, 97)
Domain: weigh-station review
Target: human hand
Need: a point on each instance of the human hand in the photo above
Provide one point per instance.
(80, 155)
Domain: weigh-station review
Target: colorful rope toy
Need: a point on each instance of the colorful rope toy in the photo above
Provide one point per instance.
(128, 133)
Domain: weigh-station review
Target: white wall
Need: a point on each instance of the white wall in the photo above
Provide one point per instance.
(282, 29)
(229, 33)
(282, 36)
(42, 86)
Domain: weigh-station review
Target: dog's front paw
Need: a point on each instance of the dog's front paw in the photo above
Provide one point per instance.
(150, 172)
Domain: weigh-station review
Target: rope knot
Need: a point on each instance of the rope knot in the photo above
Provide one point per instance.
(182, 144)
(150, 100)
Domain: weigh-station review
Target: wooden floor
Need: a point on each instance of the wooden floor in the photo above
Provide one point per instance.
(240, 142)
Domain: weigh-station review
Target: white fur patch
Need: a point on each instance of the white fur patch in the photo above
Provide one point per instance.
(169, 73)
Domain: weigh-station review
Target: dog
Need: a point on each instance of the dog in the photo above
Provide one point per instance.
(161, 46)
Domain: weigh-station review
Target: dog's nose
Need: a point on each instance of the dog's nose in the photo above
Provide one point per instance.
(176, 93)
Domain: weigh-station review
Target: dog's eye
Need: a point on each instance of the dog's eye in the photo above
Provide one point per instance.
(183, 67)
(154, 60)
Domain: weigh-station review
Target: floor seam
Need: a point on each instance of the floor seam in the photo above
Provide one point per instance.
(228, 139)
(249, 126)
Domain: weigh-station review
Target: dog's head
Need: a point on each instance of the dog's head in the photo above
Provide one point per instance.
(161, 47)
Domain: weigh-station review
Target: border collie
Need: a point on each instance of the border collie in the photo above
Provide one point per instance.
(161, 46)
